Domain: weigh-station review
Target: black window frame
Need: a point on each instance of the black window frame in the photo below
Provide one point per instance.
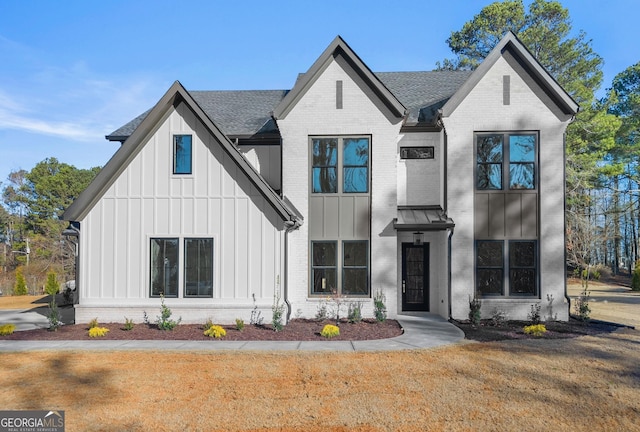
(175, 279)
(340, 166)
(323, 268)
(355, 268)
(507, 269)
(338, 268)
(187, 271)
(411, 153)
(176, 157)
(505, 163)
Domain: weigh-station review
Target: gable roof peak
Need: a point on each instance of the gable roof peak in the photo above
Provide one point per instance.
(338, 47)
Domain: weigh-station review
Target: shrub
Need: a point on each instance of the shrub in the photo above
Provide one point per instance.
(498, 317)
(256, 316)
(277, 313)
(128, 324)
(329, 331)
(164, 321)
(635, 280)
(20, 287)
(321, 312)
(379, 308)
(7, 329)
(93, 323)
(215, 331)
(581, 305)
(354, 312)
(98, 332)
(54, 316)
(239, 324)
(535, 330)
(474, 310)
(52, 287)
(534, 314)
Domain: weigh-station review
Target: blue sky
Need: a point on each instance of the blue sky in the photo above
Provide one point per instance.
(74, 71)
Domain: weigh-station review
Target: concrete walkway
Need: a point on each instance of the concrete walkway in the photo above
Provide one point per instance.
(420, 331)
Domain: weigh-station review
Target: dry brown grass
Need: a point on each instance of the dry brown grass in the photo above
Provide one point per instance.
(587, 383)
(23, 302)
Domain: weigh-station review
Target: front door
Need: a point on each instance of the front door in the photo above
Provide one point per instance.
(415, 277)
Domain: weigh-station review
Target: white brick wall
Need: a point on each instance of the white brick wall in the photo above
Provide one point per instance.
(316, 114)
(483, 110)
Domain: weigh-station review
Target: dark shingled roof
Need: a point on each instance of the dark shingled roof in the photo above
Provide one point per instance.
(423, 93)
(245, 113)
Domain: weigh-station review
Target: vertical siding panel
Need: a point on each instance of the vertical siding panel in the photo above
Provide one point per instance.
(136, 256)
(316, 223)
(496, 215)
(513, 214)
(107, 244)
(161, 216)
(481, 213)
(256, 253)
(242, 248)
(347, 217)
(529, 215)
(331, 216)
(362, 217)
(228, 247)
(121, 247)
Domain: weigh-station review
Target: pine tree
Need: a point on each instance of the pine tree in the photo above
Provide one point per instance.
(52, 287)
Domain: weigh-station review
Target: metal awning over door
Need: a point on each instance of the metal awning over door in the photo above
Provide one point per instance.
(422, 218)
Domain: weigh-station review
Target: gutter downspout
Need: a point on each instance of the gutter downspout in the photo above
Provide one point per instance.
(564, 212)
(291, 226)
(449, 269)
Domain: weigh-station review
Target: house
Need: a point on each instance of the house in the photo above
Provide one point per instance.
(427, 187)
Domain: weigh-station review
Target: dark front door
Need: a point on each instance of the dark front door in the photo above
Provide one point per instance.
(415, 277)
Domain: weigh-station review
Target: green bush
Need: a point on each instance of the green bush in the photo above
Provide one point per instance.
(379, 308)
(239, 324)
(164, 321)
(474, 311)
(128, 324)
(635, 280)
(20, 287)
(52, 287)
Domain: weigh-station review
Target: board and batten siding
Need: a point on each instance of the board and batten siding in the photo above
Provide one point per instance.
(146, 201)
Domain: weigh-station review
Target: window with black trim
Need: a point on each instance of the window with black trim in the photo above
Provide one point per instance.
(416, 152)
(506, 159)
(340, 165)
(507, 268)
(182, 154)
(164, 267)
(347, 276)
(198, 267)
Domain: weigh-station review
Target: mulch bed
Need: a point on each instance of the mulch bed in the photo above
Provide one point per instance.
(487, 331)
(295, 330)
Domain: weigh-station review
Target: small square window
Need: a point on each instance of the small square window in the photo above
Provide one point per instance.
(416, 152)
(182, 153)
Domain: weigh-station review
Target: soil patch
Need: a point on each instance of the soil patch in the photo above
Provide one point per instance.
(295, 330)
(488, 331)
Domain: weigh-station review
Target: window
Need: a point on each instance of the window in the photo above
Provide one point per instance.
(416, 152)
(198, 267)
(182, 154)
(197, 258)
(519, 156)
(521, 261)
(354, 276)
(323, 267)
(164, 267)
(355, 268)
(340, 165)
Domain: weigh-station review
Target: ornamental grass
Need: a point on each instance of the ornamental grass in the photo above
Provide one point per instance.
(95, 332)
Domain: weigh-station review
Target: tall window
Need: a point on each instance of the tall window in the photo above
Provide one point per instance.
(182, 154)
(340, 165)
(355, 268)
(506, 214)
(164, 267)
(198, 267)
(323, 267)
(516, 161)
